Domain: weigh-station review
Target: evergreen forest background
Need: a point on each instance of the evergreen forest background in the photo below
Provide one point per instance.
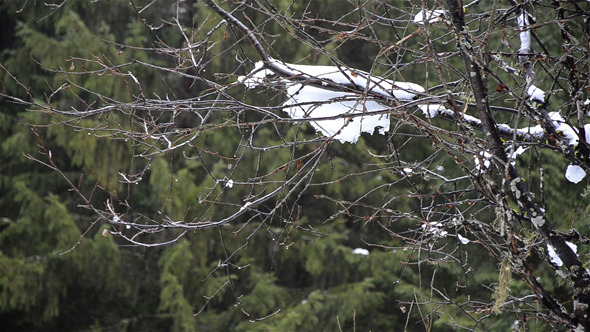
(59, 274)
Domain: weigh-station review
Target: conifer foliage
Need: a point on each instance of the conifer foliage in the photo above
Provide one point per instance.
(294, 165)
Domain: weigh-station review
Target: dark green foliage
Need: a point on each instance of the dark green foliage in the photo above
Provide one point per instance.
(63, 269)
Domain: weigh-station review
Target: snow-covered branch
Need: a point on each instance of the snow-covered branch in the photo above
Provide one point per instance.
(309, 101)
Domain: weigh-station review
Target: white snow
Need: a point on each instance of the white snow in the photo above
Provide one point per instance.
(553, 255)
(428, 17)
(486, 160)
(405, 90)
(463, 239)
(525, 34)
(306, 102)
(435, 109)
(536, 94)
(230, 183)
(256, 76)
(360, 251)
(311, 102)
(520, 150)
(512, 155)
(245, 205)
(408, 170)
(431, 110)
(342, 75)
(556, 117)
(566, 131)
(574, 173)
(535, 131)
(563, 129)
(470, 119)
(435, 228)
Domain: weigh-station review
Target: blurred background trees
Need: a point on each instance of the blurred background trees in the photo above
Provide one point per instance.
(130, 157)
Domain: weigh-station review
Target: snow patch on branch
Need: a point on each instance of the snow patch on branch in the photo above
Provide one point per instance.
(485, 157)
(311, 102)
(428, 17)
(525, 33)
(245, 206)
(432, 110)
(563, 129)
(256, 76)
(536, 94)
(520, 150)
(435, 228)
(553, 255)
(535, 132)
(513, 154)
(307, 102)
(404, 91)
(463, 239)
